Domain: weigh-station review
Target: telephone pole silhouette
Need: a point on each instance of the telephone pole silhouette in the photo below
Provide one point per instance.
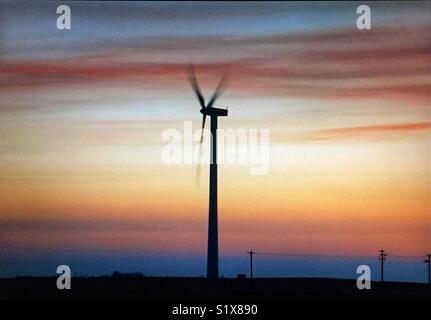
(251, 252)
(429, 267)
(382, 258)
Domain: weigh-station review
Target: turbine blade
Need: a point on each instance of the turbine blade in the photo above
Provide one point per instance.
(198, 167)
(198, 175)
(203, 127)
(219, 90)
(195, 86)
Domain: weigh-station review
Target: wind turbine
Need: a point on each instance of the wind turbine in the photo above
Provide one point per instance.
(213, 113)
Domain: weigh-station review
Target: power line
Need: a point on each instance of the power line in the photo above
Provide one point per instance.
(309, 255)
(331, 255)
(404, 257)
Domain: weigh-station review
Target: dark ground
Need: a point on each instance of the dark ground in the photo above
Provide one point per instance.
(201, 289)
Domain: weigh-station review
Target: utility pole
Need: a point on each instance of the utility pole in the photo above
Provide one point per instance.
(428, 260)
(251, 252)
(382, 258)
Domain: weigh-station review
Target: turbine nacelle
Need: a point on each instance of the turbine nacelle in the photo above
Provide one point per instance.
(211, 111)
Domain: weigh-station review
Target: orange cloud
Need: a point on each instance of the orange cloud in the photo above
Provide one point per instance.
(355, 131)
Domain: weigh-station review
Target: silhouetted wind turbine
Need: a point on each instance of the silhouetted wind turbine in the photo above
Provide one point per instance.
(214, 113)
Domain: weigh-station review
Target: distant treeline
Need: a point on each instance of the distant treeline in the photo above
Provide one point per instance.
(118, 274)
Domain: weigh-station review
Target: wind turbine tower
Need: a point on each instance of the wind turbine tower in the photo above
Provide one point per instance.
(213, 113)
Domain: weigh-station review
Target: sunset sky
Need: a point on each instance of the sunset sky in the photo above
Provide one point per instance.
(82, 112)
